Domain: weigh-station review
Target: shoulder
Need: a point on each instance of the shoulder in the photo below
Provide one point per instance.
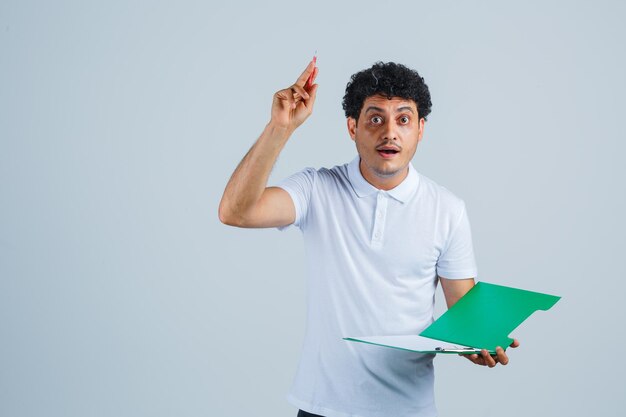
(445, 199)
(321, 179)
(336, 176)
(334, 172)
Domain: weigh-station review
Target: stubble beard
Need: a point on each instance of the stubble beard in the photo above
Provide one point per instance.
(384, 174)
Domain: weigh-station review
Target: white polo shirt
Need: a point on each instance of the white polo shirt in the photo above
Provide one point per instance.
(372, 260)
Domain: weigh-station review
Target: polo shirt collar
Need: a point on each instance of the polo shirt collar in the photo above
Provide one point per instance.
(402, 192)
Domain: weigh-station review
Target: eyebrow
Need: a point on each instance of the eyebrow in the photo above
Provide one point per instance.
(404, 108)
(398, 110)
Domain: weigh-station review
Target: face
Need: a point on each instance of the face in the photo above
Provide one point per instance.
(386, 137)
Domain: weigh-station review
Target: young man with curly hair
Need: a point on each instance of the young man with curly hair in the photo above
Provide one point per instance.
(378, 235)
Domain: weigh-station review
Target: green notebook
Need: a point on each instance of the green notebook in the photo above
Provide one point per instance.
(482, 319)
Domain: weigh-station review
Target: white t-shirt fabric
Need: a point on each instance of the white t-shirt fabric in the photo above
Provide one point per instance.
(372, 261)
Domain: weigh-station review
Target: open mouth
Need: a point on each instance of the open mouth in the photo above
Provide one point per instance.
(387, 152)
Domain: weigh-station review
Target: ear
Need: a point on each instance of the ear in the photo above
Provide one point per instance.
(421, 133)
(352, 127)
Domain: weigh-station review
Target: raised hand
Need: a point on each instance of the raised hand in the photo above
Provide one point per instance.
(294, 104)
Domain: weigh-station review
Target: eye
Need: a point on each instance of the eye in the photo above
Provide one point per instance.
(404, 120)
(376, 120)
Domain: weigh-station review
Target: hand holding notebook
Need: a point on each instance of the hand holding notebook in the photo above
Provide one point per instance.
(481, 320)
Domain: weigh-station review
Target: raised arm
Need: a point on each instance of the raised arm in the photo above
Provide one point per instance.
(247, 201)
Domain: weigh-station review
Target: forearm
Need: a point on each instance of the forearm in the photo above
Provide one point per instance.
(246, 185)
(454, 289)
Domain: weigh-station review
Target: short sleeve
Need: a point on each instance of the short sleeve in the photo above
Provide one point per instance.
(299, 186)
(457, 258)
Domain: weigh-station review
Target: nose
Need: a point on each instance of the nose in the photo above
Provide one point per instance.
(389, 132)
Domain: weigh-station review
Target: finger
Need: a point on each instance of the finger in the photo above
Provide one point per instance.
(285, 96)
(300, 90)
(474, 358)
(314, 76)
(515, 343)
(489, 360)
(501, 355)
(312, 95)
(468, 357)
(292, 99)
(311, 80)
(305, 75)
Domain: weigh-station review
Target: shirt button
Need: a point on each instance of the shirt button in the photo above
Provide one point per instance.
(379, 214)
(377, 235)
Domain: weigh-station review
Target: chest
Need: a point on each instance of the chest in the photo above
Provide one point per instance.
(406, 236)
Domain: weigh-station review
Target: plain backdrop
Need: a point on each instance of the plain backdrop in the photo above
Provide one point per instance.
(121, 293)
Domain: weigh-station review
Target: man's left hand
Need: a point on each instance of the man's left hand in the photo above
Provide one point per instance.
(485, 359)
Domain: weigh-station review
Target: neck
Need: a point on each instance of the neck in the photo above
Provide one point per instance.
(384, 183)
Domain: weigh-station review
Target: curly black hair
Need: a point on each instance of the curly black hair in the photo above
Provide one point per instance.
(390, 80)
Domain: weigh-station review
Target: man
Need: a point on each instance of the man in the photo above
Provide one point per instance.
(378, 236)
